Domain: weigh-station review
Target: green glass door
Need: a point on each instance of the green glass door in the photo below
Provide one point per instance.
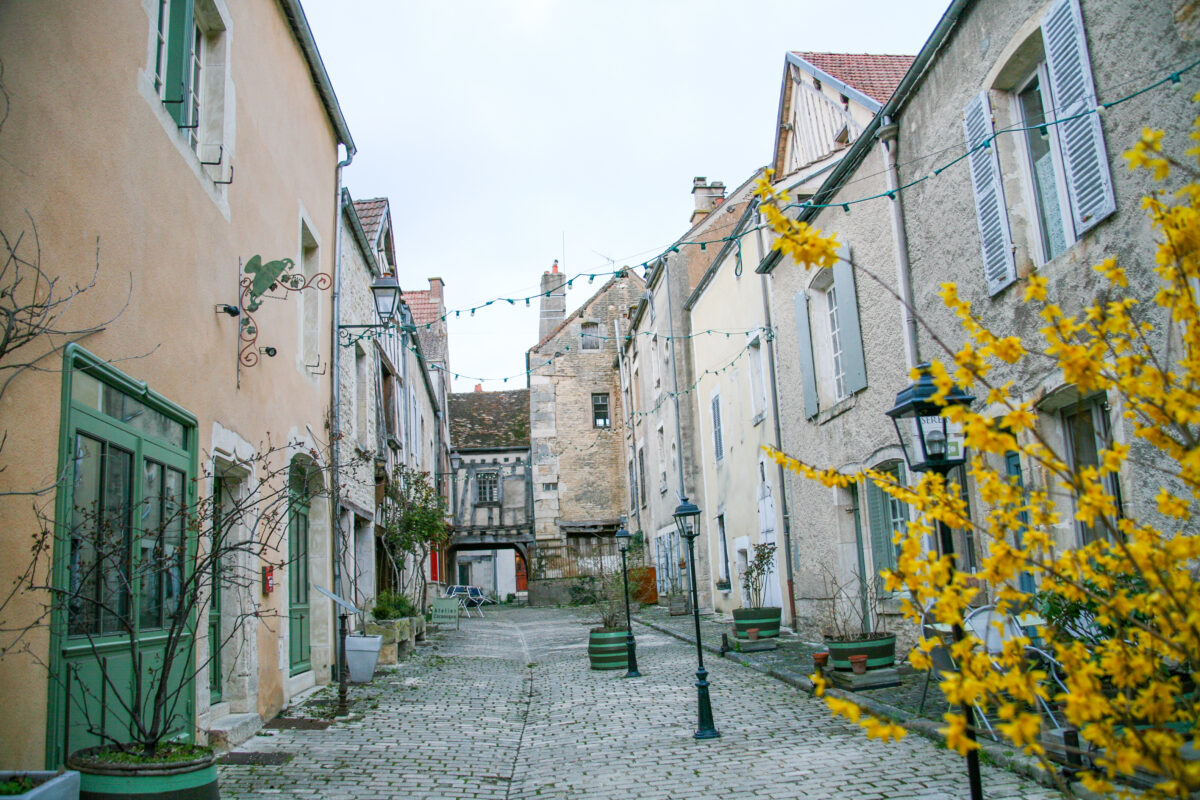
(299, 611)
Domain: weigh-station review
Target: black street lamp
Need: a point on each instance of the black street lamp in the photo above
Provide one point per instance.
(385, 292)
(630, 648)
(686, 516)
(933, 443)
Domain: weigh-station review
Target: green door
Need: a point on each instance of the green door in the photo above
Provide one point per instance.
(121, 557)
(299, 612)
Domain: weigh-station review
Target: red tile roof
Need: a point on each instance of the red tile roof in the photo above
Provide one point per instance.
(370, 214)
(423, 306)
(876, 76)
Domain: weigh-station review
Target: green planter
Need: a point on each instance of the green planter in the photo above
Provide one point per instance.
(177, 780)
(879, 648)
(765, 619)
(606, 649)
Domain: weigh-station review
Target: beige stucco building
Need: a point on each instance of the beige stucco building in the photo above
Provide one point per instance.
(200, 135)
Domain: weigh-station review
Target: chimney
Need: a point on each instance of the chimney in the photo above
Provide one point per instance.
(553, 301)
(479, 387)
(436, 288)
(708, 196)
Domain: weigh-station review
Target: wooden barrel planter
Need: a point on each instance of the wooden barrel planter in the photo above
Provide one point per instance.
(765, 619)
(176, 780)
(606, 649)
(879, 648)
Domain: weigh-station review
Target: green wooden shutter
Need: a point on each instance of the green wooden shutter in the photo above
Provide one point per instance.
(882, 552)
(1085, 160)
(853, 362)
(179, 45)
(808, 372)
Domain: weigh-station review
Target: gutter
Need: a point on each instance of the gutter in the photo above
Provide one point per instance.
(335, 507)
(294, 13)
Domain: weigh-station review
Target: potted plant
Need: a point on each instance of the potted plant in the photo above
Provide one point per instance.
(40, 785)
(764, 618)
(850, 621)
(395, 619)
(606, 643)
(129, 600)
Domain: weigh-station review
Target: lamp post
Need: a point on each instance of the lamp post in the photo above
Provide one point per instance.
(385, 291)
(630, 648)
(932, 443)
(686, 515)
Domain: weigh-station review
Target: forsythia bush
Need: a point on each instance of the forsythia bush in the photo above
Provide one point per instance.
(1123, 612)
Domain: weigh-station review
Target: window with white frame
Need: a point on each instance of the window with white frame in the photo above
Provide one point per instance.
(1086, 431)
(487, 487)
(600, 416)
(190, 53)
(1066, 180)
(832, 367)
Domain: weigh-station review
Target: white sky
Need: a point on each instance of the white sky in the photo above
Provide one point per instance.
(499, 128)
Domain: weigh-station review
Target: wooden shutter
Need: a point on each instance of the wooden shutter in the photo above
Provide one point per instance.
(808, 373)
(180, 24)
(881, 529)
(718, 441)
(1081, 139)
(853, 363)
(999, 267)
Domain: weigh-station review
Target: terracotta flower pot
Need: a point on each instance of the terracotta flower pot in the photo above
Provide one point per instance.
(752, 634)
(820, 660)
(858, 663)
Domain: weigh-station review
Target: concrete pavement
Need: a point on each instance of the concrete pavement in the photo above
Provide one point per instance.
(507, 708)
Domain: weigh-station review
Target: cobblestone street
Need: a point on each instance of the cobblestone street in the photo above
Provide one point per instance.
(506, 707)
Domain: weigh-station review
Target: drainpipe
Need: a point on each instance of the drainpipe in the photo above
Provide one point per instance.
(886, 135)
(335, 415)
(637, 506)
(674, 374)
(783, 503)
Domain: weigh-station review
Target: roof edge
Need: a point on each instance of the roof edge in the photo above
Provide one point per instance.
(859, 96)
(308, 45)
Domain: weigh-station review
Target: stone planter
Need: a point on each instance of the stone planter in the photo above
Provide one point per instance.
(46, 785)
(400, 637)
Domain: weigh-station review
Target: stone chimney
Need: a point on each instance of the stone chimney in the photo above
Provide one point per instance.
(553, 301)
(708, 197)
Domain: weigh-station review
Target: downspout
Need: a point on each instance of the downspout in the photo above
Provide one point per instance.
(887, 135)
(336, 393)
(637, 506)
(674, 375)
(408, 392)
(783, 503)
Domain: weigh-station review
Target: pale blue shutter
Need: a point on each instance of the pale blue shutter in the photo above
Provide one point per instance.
(850, 333)
(880, 518)
(1081, 139)
(999, 267)
(808, 372)
(718, 440)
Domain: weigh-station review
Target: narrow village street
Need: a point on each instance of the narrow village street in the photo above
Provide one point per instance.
(506, 707)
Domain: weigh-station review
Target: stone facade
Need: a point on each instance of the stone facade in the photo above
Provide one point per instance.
(576, 415)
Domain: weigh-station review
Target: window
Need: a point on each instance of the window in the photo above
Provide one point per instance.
(600, 417)
(190, 51)
(655, 369)
(590, 334)
(723, 582)
(361, 396)
(487, 487)
(758, 399)
(549, 487)
(641, 458)
(718, 441)
(310, 302)
(886, 516)
(1067, 180)
(1085, 428)
(633, 492)
(832, 366)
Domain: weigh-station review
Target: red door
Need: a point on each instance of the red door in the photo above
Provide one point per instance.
(522, 575)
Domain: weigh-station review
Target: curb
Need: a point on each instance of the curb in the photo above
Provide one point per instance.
(997, 754)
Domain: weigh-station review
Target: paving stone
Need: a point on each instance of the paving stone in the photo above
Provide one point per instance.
(507, 708)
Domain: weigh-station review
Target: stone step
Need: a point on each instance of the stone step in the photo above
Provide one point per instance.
(231, 730)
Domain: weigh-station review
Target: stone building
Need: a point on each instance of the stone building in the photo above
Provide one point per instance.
(1043, 197)
(576, 413)
(491, 498)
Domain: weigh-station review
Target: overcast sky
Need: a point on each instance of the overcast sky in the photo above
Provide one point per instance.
(509, 133)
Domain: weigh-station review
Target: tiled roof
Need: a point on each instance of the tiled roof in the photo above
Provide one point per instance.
(433, 345)
(370, 214)
(423, 306)
(489, 420)
(874, 75)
